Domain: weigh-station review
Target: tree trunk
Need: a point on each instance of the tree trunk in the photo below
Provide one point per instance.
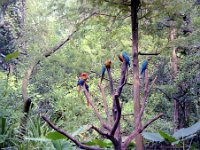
(136, 79)
(172, 36)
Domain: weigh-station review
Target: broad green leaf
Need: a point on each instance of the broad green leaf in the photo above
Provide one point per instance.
(82, 129)
(37, 139)
(167, 137)
(55, 136)
(61, 144)
(2, 125)
(100, 143)
(12, 56)
(184, 132)
(155, 137)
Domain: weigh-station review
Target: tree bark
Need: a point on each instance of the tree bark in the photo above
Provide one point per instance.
(172, 37)
(136, 79)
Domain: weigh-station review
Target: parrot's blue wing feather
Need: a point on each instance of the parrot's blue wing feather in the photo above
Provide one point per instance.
(125, 56)
(80, 82)
(144, 66)
(103, 70)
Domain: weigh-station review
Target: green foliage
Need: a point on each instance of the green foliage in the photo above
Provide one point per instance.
(184, 133)
(167, 137)
(52, 86)
(13, 55)
(100, 143)
(154, 137)
(55, 136)
(178, 138)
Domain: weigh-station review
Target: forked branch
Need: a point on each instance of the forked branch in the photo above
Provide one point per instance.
(67, 135)
(88, 97)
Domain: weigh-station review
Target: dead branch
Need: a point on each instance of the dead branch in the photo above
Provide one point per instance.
(118, 117)
(105, 104)
(139, 130)
(141, 53)
(79, 144)
(110, 81)
(122, 81)
(118, 3)
(153, 82)
(108, 136)
(88, 97)
(48, 53)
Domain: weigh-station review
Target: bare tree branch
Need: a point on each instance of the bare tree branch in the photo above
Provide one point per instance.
(79, 144)
(141, 53)
(139, 130)
(88, 97)
(116, 106)
(122, 79)
(118, 3)
(110, 81)
(153, 82)
(29, 71)
(117, 121)
(105, 104)
(112, 138)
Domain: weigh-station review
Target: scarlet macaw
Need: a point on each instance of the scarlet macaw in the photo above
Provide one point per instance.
(144, 67)
(84, 76)
(104, 67)
(123, 56)
(82, 81)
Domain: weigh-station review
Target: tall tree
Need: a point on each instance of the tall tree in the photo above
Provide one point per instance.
(136, 79)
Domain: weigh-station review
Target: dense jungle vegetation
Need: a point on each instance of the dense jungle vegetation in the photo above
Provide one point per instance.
(45, 48)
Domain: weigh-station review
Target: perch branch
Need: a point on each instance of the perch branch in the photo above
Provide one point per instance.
(122, 81)
(105, 104)
(110, 81)
(79, 144)
(116, 106)
(118, 117)
(139, 130)
(112, 138)
(88, 97)
(141, 53)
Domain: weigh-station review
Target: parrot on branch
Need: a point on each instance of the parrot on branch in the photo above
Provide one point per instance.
(144, 67)
(82, 81)
(123, 57)
(107, 65)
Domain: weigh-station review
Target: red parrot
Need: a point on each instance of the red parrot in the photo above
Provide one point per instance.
(82, 82)
(104, 67)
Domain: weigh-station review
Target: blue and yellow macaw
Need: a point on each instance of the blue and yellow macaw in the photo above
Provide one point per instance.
(144, 67)
(107, 65)
(123, 56)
